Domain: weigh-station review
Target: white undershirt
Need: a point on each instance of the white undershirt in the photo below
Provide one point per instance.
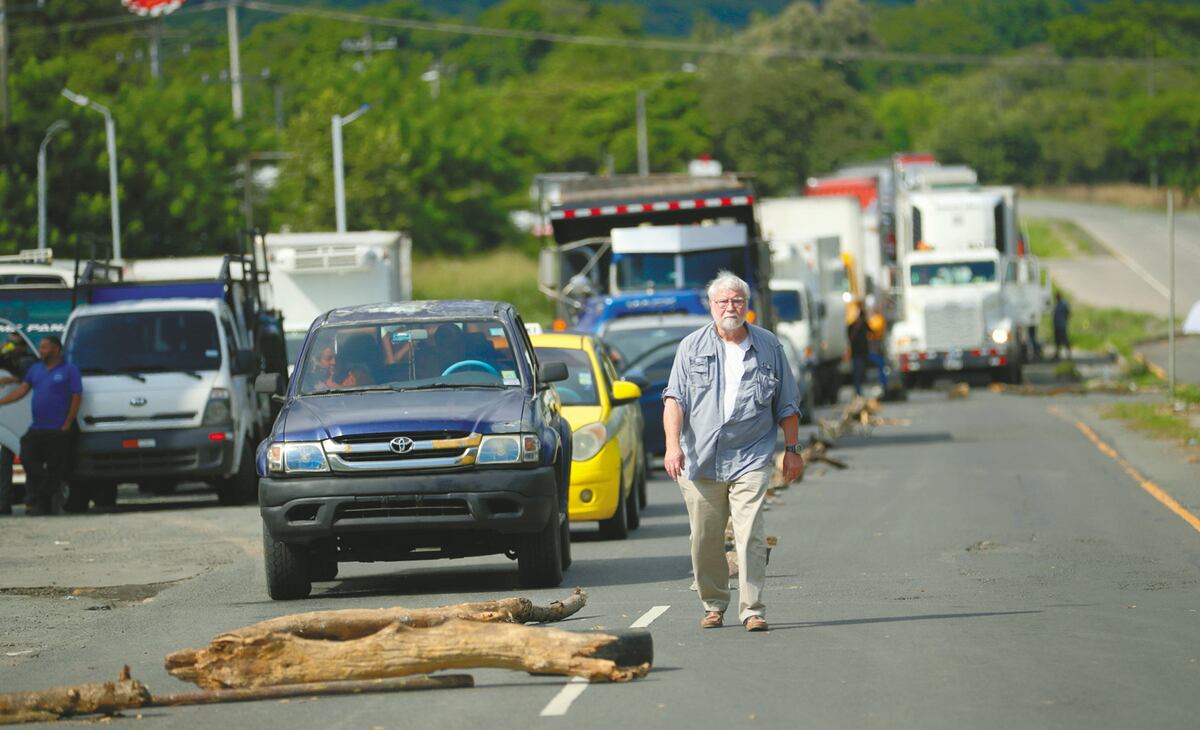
(735, 367)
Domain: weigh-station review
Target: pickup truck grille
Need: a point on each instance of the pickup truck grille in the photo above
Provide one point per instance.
(382, 507)
(953, 326)
(411, 451)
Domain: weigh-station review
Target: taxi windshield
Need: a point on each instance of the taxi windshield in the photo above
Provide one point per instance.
(579, 389)
(408, 355)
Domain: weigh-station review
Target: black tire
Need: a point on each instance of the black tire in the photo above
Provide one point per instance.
(633, 514)
(242, 487)
(564, 542)
(617, 526)
(643, 490)
(539, 556)
(288, 569)
(323, 565)
(104, 494)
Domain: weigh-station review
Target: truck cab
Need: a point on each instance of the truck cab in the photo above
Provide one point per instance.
(168, 392)
(413, 431)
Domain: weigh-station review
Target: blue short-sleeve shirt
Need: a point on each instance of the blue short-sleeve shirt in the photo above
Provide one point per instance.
(52, 391)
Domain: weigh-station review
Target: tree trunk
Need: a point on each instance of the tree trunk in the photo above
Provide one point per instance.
(256, 657)
(81, 699)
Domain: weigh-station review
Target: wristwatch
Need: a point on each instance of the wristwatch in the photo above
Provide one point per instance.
(792, 449)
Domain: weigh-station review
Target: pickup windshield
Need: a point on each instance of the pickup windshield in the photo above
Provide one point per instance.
(409, 355)
(954, 273)
(132, 342)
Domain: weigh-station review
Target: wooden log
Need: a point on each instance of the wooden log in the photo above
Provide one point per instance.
(355, 623)
(313, 689)
(254, 657)
(81, 699)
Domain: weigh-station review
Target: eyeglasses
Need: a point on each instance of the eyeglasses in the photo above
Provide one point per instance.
(736, 303)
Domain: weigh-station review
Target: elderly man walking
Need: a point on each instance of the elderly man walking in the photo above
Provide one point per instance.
(729, 391)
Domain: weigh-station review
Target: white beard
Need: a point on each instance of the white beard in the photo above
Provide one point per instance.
(730, 322)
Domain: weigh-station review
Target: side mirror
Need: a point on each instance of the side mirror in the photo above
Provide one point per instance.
(641, 381)
(245, 363)
(269, 384)
(624, 392)
(552, 372)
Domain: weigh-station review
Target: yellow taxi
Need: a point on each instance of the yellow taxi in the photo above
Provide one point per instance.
(608, 458)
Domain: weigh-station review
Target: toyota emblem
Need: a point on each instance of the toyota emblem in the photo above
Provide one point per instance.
(401, 444)
(137, 401)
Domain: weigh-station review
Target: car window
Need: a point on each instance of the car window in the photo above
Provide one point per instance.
(580, 387)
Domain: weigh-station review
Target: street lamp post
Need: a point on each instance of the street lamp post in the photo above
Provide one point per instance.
(55, 128)
(339, 173)
(110, 131)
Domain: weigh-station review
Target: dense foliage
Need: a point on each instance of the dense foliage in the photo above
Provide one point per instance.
(1027, 91)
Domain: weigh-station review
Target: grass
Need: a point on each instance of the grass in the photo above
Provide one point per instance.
(1094, 329)
(503, 274)
(1159, 420)
(1051, 238)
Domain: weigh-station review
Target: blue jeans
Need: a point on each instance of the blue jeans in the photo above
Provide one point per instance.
(860, 370)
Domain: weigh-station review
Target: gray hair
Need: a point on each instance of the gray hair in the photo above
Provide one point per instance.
(727, 280)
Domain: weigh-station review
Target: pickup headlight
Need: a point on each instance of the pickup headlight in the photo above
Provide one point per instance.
(587, 441)
(217, 410)
(300, 457)
(1000, 336)
(508, 449)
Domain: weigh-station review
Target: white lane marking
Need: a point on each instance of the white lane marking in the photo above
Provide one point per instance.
(562, 701)
(1145, 275)
(648, 617)
(572, 690)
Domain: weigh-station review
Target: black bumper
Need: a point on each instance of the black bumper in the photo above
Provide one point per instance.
(184, 453)
(504, 501)
(950, 362)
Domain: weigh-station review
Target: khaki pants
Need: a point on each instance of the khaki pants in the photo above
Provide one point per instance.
(710, 505)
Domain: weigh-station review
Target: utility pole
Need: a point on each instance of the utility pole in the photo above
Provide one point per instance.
(339, 172)
(1151, 90)
(55, 128)
(643, 150)
(110, 132)
(155, 41)
(235, 61)
(1171, 298)
(4, 112)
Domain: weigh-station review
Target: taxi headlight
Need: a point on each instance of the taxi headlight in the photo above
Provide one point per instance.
(301, 456)
(587, 441)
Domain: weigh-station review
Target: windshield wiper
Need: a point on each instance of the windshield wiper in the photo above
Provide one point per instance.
(106, 371)
(442, 384)
(164, 369)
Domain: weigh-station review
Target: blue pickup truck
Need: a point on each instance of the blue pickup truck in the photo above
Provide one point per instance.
(412, 431)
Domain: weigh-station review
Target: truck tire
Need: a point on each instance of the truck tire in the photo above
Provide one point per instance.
(104, 494)
(617, 526)
(323, 563)
(242, 487)
(288, 566)
(539, 555)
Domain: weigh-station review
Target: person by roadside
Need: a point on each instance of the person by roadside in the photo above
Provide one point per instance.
(1062, 319)
(729, 392)
(46, 447)
(16, 358)
(859, 333)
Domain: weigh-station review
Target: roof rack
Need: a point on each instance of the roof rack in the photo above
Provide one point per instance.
(29, 256)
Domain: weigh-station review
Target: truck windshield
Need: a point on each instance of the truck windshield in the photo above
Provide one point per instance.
(579, 389)
(954, 273)
(409, 355)
(144, 342)
(659, 270)
(787, 306)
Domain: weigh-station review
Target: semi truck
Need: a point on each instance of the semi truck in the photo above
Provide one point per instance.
(647, 245)
(955, 240)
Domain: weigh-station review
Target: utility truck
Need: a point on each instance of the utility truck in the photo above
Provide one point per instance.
(955, 240)
(168, 366)
(810, 286)
(312, 273)
(648, 245)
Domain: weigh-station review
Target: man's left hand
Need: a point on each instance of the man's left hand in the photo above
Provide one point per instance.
(793, 466)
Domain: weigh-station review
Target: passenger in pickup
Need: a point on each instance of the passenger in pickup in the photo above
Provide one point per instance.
(358, 360)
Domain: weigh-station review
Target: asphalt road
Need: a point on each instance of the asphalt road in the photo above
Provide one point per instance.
(984, 566)
(1136, 276)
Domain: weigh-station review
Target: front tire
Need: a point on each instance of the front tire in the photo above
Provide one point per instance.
(539, 556)
(288, 569)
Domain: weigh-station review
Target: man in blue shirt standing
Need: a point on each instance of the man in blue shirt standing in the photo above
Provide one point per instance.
(46, 446)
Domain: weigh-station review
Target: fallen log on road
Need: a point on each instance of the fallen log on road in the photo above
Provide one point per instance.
(256, 657)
